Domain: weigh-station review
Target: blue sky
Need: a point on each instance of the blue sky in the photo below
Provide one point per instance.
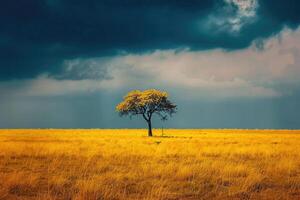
(226, 63)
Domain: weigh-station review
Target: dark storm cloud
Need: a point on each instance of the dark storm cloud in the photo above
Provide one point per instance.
(36, 36)
(281, 12)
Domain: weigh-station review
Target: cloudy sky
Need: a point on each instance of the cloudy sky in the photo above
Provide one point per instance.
(226, 63)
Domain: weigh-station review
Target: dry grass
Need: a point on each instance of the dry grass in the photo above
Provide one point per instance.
(125, 164)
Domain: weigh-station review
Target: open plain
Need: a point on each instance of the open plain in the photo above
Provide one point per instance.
(126, 164)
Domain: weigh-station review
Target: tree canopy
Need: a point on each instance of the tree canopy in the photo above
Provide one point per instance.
(147, 103)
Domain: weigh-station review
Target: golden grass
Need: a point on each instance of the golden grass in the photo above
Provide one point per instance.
(126, 164)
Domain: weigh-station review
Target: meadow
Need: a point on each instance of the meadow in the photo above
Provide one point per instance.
(126, 164)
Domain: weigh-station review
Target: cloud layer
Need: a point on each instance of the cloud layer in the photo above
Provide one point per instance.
(272, 70)
(38, 35)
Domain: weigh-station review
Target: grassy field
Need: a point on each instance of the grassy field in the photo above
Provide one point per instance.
(126, 164)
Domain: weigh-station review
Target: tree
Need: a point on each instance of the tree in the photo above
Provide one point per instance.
(146, 103)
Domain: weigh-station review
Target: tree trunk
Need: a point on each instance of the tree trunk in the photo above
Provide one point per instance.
(149, 129)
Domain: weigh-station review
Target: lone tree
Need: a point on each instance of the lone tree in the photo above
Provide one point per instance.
(146, 103)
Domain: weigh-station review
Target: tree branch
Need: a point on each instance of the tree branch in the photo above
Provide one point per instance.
(144, 116)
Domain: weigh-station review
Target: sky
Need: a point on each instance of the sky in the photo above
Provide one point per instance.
(225, 63)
